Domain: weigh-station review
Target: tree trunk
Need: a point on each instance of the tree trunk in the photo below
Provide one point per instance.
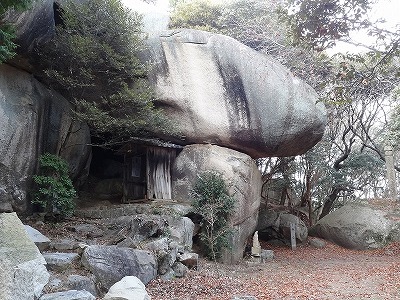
(330, 201)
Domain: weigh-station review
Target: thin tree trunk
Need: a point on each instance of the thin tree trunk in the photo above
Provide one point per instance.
(330, 201)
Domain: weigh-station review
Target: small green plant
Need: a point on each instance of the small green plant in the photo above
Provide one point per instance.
(54, 190)
(212, 201)
(7, 31)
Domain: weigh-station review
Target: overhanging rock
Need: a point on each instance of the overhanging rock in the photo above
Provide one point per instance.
(222, 92)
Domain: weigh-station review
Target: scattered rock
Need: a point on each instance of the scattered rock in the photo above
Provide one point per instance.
(40, 240)
(181, 230)
(54, 283)
(127, 243)
(69, 295)
(59, 261)
(190, 260)
(89, 230)
(23, 273)
(244, 298)
(111, 263)
(78, 282)
(179, 269)
(64, 244)
(128, 288)
(169, 275)
(138, 228)
(157, 245)
(165, 262)
(267, 255)
(317, 243)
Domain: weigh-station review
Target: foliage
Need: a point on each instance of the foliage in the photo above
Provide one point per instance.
(319, 23)
(255, 23)
(7, 34)
(99, 42)
(212, 201)
(201, 15)
(54, 190)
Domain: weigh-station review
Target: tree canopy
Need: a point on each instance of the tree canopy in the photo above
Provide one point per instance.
(94, 61)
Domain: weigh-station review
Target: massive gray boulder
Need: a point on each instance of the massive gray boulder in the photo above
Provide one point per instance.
(357, 227)
(238, 170)
(222, 92)
(34, 120)
(23, 272)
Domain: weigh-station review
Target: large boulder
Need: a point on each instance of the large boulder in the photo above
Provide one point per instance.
(111, 263)
(23, 272)
(222, 92)
(34, 120)
(357, 227)
(239, 170)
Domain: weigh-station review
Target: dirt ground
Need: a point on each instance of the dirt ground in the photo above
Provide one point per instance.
(306, 273)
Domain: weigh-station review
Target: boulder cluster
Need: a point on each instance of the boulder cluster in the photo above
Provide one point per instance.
(110, 258)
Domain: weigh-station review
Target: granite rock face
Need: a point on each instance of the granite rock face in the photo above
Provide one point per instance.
(222, 92)
(34, 120)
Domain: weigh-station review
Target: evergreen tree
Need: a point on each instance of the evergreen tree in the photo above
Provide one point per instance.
(94, 61)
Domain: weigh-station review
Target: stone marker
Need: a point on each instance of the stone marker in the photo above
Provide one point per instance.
(390, 172)
(293, 235)
(256, 249)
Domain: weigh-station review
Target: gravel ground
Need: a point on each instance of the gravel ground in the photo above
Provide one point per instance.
(306, 273)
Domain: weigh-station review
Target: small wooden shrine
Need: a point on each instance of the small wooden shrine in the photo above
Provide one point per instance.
(147, 169)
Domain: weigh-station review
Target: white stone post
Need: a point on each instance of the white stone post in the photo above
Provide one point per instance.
(390, 173)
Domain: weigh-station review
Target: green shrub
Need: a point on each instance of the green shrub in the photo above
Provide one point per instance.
(54, 190)
(212, 201)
